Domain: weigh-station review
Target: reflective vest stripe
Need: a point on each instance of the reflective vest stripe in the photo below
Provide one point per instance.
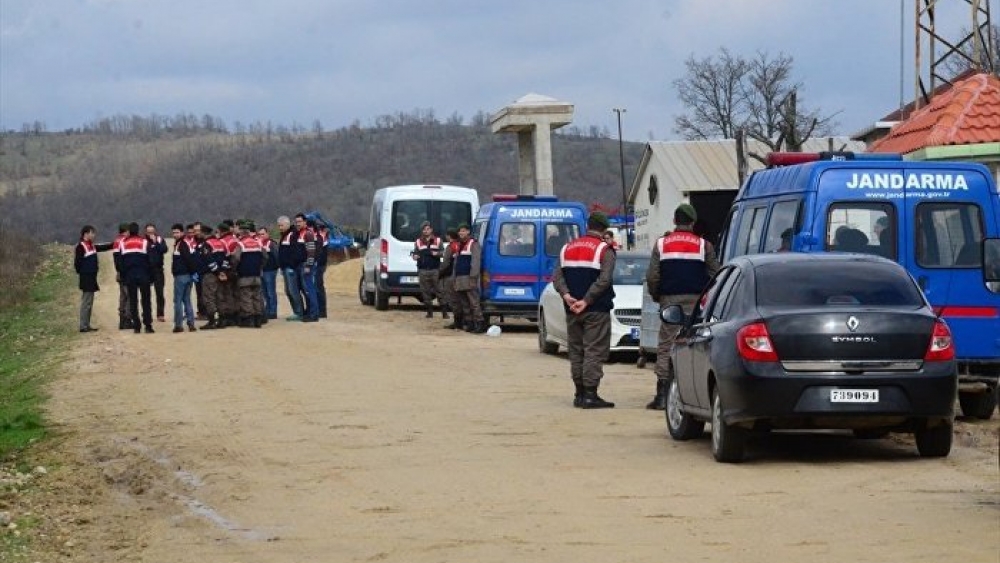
(682, 246)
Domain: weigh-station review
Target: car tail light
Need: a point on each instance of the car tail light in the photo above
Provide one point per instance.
(754, 343)
(941, 347)
(383, 257)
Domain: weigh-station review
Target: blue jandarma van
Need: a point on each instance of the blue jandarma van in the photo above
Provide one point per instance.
(934, 218)
(521, 236)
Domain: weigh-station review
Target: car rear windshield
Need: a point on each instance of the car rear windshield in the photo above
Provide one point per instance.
(835, 283)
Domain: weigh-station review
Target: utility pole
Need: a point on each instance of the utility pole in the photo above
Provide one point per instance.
(621, 161)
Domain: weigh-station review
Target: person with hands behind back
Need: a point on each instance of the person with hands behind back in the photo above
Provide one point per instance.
(583, 278)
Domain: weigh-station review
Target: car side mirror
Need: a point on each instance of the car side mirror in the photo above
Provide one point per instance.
(673, 315)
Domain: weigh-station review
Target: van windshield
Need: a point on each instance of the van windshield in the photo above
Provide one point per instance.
(408, 215)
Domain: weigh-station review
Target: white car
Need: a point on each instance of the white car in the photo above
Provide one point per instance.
(630, 273)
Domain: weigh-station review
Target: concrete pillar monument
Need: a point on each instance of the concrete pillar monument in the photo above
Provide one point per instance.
(533, 117)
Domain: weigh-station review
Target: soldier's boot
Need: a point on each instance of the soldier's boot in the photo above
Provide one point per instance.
(258, 321)
(659, 402)
(212, 324)
(591, 400)
(245, 322)
(578, 397)
(457, 323)
(444, 311)
(429, 306)
(479, 327)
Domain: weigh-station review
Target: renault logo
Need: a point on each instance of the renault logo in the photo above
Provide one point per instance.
(852, 323)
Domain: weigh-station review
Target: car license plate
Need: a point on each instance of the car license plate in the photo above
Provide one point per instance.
(409, 279)
(514, 291)
(635, 334)
(854, 396)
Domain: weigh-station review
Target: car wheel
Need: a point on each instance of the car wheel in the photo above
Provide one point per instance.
(935, 441)
(980, 405)
(544, 346)
(680, 425)
(727, 441)
(381, 299)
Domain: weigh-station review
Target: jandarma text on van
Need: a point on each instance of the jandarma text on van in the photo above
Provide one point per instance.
(897, 181)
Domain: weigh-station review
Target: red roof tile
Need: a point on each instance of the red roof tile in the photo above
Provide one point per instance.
(968, 113)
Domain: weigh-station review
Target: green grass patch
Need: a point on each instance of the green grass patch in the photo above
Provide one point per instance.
(34, 337)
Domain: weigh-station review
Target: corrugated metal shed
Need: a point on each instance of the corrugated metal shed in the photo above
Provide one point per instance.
(711, 165)
(670, 171)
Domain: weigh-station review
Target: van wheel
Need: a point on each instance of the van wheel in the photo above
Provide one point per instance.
(980, 405)
(366, 297)
(544, 346)
(381, 299)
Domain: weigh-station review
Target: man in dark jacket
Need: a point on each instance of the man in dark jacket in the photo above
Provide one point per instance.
(157, 250)
(134, 267)
(269, 277)
(583, 278)
(680, 266)
(86, 265)
(427, 252)
(184, 267)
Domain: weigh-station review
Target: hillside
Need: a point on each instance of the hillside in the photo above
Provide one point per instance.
(53, 183)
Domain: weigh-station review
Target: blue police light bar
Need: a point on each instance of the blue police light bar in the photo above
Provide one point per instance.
(792, 158)
(524, 197)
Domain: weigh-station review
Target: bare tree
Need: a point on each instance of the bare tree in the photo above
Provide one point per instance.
(712, 92)
(728, 93)
(969, 57)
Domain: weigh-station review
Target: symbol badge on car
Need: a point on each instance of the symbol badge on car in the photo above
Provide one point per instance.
(852, 323)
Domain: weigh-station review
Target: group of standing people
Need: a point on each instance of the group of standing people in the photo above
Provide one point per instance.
(232, 268)
(449, 271)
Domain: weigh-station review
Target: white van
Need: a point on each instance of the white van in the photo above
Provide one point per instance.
(397, 213)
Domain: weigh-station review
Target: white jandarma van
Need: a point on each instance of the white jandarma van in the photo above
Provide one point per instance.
(394, 225)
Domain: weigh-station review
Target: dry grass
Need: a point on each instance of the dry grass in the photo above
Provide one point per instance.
(20, 256)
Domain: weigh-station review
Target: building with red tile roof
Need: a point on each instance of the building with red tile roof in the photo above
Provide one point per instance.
(959, 123)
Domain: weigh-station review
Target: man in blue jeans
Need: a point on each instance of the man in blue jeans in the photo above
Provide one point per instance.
(306, 239)
(184, 268)
(269, 277)
(288, 261)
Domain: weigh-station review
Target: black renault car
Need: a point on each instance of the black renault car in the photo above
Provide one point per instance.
(789, 340)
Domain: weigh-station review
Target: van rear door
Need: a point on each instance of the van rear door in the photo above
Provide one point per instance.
(948, 211)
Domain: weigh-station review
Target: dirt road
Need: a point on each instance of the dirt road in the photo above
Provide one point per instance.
(379, 436)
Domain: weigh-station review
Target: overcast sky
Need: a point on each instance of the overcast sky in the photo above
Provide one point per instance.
(68, 62)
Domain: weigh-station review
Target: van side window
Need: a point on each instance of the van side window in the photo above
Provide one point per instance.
(868, 228)
(517, 239)
(949, 235)
(557, 235)
(751, 224)
(375, 225)
(781, 226)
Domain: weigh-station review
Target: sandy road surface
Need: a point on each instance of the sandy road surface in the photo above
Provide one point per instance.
(381, 437)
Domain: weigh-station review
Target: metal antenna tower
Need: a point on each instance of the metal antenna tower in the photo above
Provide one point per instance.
(978, 40)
